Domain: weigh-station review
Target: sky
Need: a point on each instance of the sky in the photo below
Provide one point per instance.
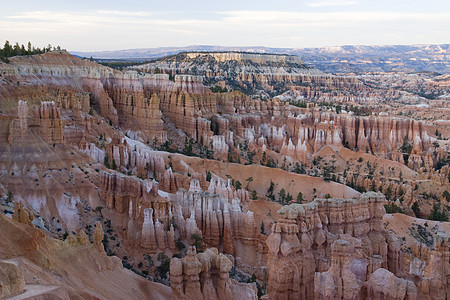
(130, 24)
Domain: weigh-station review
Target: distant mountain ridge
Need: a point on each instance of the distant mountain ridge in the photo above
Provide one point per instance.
(263, 74)
(339, 59)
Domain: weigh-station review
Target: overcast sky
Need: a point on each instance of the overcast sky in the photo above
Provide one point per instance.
(127, 24)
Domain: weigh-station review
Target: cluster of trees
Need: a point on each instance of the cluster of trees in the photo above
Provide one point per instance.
(392, 208)
(299, 168)
(121, 64)
(10, 50)
(191, 148)
(109, 165)
(437, 214)
(267, 161)
(359, 110)
(283, 197)
(218, 89)
(301, 104)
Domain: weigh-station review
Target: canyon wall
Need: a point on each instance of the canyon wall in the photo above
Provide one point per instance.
(339, 249)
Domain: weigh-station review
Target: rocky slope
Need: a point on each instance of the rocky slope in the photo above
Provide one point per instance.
(35, 266)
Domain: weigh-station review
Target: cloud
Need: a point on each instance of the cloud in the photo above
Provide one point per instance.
(125, 13)
(110, 29)
(331, 3)
(317, 18)
(99, 18)
(228, 18)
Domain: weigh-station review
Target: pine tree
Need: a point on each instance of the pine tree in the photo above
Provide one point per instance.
(300, 197)
(282, 195)
(288, 198)
(7, 49)
(270, 190)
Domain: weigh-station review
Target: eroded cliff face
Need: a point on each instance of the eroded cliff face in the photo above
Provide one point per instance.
(430, 267)
(302, 133)
(339, 249)
(306, 233)
(117, 96)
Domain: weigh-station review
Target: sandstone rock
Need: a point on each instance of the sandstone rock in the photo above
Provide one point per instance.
(300, 244)
(209, 214)
(220, 146)
(71, 240)
(82, 238)
(436, 273)
(171, 238)
(12, 280)
(382, 284)
(148, 234)
(176, 278)
(98, 237)
(47, 118)
(339, 282)
(21, 214)
(191, 271)
(161, 238)
(169, 182)
(211, 268)
(19, 127)
(245, 69)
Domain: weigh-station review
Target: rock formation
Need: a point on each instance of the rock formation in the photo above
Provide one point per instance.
(434, 275)
(98, 237)
(340, 282)
(22, 214)
(19, 127)
(382, 284)
(206, 276)
(218, 216)
(148, 236)
(12, 281)
(56, 269)
(47, 118)
(82, 238)
(138, 103)
(300, 242)
(343, 242)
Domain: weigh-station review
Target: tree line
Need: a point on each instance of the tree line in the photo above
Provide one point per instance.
(10, 50)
